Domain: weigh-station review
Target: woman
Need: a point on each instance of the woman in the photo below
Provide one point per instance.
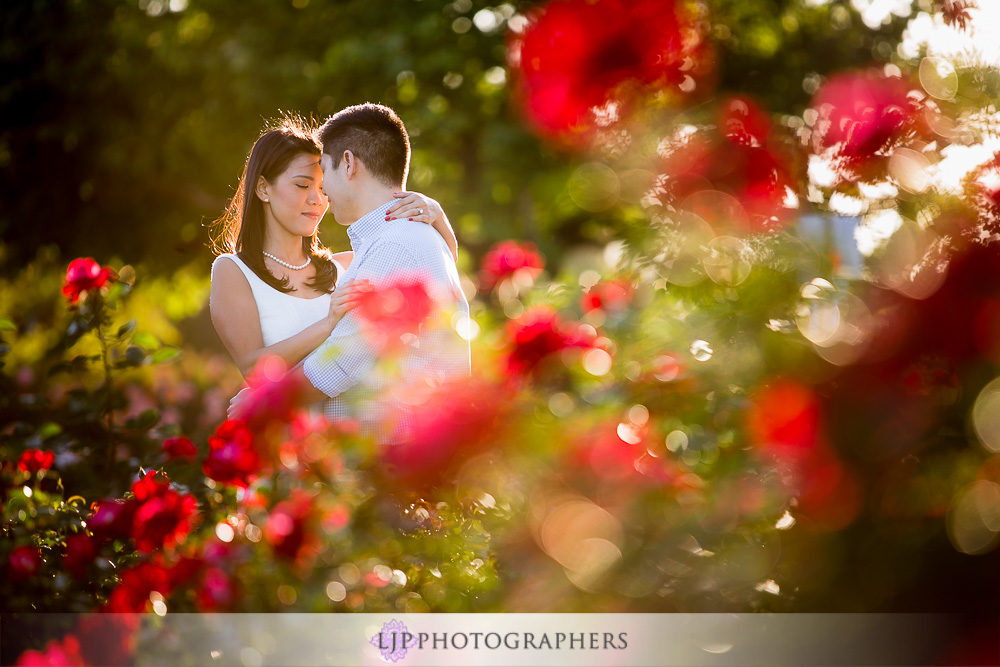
(274, 287)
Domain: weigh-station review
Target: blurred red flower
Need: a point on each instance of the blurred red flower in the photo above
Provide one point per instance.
(538, 334)
(25, 562)
(163, 516)
(131, 595)
(179, 447)
(63, 652)
(862, 117)
(985, 192)
(609, 296)
(397, 308)
(288, 524)
(453, 423)
(736, 158)
(80, 553)
(84, 275)
(505, 259)
(575, 56)
(112, 519)
(232, 458)
(272, 395)
(784, 420)
(33, 460)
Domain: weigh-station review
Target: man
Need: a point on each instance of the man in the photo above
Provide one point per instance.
(366, 155)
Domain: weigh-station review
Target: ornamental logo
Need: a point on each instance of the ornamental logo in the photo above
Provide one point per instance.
(393, 640)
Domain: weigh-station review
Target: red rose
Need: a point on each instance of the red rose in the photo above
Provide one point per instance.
(862, 117)
(232, 458)
(784, 420)
(162, 517)
(611, 297)
(80, 553)
(64, 652)
(33, 460)
(451, 424)
(84, 275)
(736, 158)
(538, 334)
(131, 595)
(576, 56)
(505, 259)
(272, 395)
(288, 523)
(396, 308)
(112, 519)
(179, 447)
(25, 562)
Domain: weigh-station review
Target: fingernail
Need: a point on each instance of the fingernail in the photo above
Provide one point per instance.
(410, 219)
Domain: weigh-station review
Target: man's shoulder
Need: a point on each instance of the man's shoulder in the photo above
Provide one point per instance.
(415, 239)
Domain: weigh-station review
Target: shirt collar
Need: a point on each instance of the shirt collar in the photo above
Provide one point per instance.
(369, 225)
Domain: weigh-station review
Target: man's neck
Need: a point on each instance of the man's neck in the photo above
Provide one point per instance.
(371, 198)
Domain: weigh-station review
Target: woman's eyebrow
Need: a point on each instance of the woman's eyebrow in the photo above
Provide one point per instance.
(304, 176)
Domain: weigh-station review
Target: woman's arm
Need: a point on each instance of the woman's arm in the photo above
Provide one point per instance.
(420, 207)
(234, 314)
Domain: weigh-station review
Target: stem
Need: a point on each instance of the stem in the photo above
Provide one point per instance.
(110, 462)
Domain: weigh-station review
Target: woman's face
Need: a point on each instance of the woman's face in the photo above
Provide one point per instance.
(294, 201)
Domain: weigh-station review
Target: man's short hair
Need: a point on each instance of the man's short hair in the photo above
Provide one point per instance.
(375, 134)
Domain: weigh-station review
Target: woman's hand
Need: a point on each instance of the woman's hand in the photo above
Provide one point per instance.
(344, 299)
(415, 206)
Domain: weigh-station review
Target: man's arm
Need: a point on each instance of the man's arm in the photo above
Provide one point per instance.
(351, 351)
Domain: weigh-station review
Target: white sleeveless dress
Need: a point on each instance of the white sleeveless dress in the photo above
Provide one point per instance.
(282, 315)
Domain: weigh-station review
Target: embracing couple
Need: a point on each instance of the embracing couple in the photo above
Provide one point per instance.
(277, 291)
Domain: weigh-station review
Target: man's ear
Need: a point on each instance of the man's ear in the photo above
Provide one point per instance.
(261, 188)
(350, 162)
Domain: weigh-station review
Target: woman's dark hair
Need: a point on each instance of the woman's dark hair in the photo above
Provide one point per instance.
(240, 229)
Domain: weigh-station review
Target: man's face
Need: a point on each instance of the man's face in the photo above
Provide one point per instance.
(334, 186)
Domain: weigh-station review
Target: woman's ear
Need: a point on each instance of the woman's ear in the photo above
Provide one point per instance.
(261, 189)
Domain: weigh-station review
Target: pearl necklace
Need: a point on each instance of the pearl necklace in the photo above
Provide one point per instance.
(290, 266)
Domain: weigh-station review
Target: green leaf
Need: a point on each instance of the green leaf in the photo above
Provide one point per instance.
(165, 354)
(145, 421)
(126, 329)
(48, 430)
(145, 339)
(7, 324)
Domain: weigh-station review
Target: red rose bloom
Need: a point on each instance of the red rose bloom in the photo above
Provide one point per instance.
(33, 460)
(287, 528)
(162, 517)
(131, 595)
(396, 308)
(578, 55)
(179, 447)
(736, 158)
(272, 395)
(611, 297)
(507, 258)
(862, 118)
(25, 562)
(538, 334)
(57, 653)
(112, 519)
(785, 420)
(80, 553)
(453, 423)
(232, 458)
(84, 275)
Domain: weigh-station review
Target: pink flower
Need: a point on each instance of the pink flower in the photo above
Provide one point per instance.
(577, 55)
(25, 562)
(232, 458)
(862, 117)
(453, 423)
(57, 653)
(33, 460)
(84, 275)
(273, 395)
(507, 258)
(288, 526)
(131, 595)
(112, 519)
(179, 447)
